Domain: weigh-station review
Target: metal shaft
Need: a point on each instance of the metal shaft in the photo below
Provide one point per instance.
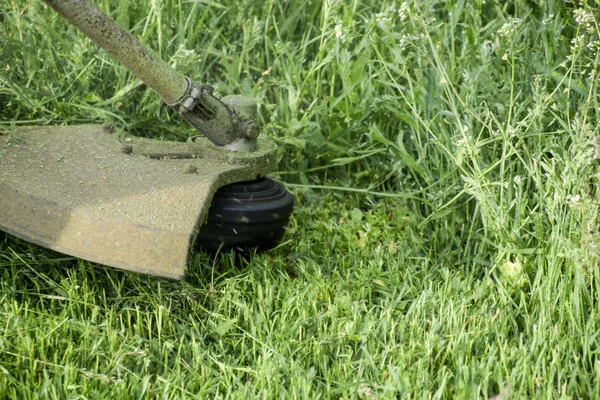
(156, 73)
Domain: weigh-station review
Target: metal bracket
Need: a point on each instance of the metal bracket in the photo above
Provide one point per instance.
(225, 123)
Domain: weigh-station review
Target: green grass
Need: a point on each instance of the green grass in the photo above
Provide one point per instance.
(444, 157)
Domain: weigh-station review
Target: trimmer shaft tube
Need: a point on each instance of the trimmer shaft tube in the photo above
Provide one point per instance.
(156, 73)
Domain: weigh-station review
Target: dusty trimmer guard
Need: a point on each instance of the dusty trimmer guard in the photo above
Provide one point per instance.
(130, 203)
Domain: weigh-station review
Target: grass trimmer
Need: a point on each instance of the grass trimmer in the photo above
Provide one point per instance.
(143, 204)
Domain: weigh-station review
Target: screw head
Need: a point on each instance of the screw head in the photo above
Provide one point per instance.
(127, 149)
(251, 130)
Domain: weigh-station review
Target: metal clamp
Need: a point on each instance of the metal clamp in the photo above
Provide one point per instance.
(189, 100)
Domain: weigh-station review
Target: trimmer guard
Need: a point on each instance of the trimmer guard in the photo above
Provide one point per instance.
(130, 203)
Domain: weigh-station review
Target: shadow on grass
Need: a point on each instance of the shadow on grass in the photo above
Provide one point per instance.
(35, 274)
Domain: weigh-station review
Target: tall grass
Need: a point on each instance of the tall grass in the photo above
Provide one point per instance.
(445, 160)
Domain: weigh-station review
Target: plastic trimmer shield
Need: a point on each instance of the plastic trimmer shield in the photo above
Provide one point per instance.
(130, 203)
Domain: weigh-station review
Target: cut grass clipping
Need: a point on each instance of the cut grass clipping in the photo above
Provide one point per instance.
(444, 157)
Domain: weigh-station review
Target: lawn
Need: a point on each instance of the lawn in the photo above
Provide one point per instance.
(444, 157)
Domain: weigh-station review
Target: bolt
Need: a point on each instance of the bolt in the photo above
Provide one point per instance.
(251, 130)
(190, 169)
(109, 128)
(127, 149)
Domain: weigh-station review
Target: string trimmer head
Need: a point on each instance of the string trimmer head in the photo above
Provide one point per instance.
(140, 204)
